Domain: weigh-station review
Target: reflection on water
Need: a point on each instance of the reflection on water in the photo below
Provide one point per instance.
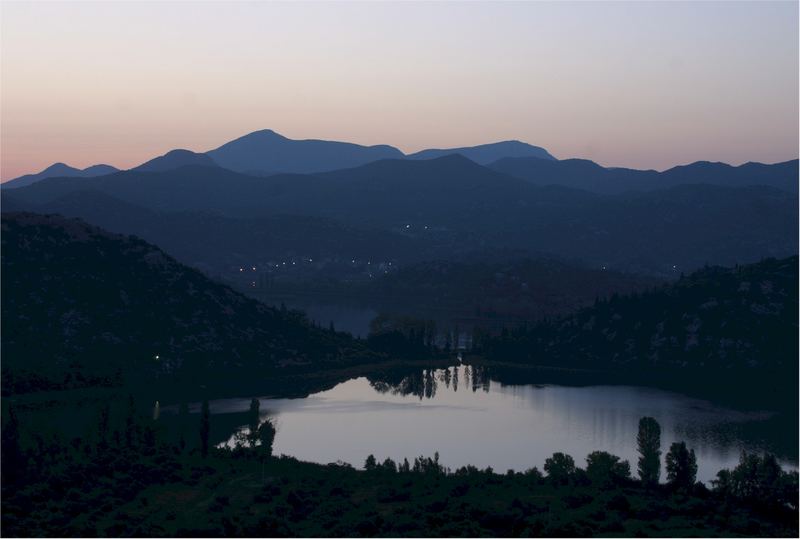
(470, 418)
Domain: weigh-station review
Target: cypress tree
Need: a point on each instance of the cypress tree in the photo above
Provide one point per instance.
(205, 428)
(253, 420)
(649, 442)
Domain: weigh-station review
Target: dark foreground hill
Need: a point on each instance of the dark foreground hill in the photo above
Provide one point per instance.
(734, 327)
(84, 307)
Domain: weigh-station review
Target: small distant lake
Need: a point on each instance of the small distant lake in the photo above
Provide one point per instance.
(470, 418)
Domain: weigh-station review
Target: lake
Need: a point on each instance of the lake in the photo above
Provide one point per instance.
(470, 418)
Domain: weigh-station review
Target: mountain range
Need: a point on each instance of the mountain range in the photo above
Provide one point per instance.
(588, 175)
(430, 205)
(266, 153)
(60, 170)
(447, 206)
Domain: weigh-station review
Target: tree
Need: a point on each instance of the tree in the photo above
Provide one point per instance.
(266, 437)
(205, 428)
(370, 464)
(723, 484)
(405, 466)
(681, 466)
(606, 469)
(103, 424)
(769, 477)
(559, 468)
(253, 417)
(649, 442)
(130, 423)
(13, 457)
(183, 416)
(758, 479)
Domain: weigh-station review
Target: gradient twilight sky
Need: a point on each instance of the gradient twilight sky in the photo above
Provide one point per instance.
(639, 84)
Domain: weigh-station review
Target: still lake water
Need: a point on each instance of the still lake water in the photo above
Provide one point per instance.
(470, 418)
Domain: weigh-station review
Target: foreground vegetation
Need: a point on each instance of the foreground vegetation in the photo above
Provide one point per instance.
(134, 477)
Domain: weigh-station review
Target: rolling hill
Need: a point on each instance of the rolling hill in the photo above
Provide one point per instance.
(218, 244)
(83, 307)
(588, 175)
(717, 319)
(487, 153)
(59, 170)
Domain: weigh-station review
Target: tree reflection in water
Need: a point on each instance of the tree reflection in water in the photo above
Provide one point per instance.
(423, 383)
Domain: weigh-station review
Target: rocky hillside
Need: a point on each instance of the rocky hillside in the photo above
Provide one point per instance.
(721, 319)
(84, 307)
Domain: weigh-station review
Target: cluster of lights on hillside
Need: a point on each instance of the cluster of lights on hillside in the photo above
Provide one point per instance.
(369, 265)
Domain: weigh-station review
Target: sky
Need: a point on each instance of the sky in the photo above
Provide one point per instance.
(636, 84)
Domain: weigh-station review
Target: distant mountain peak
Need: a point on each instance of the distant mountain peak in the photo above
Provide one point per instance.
(266, 151)
(264, 134)
(60, 169)
(484, 154)
(175, 159)
(59, 166)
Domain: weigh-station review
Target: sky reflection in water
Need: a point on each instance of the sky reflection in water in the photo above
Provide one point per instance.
(470, 419)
